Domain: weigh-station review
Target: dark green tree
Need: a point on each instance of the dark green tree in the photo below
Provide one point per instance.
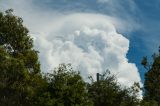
(148, 103)
(14, 38)
(107, 92)
(20, 77)
(152, 79)
(67, 87)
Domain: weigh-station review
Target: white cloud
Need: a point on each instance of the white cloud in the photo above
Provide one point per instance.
(89, 42)
(124, 10)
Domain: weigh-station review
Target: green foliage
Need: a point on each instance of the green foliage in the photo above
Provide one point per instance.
(13, 76)
(20, 78)
(148, 103)
(152, 80)
(13, 35)
(67, 87)
(107, 92)
(16, 41)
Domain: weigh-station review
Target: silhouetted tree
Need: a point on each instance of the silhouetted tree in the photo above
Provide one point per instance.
(152, 79)
(107, 92)
(67, 87)
(20, 77)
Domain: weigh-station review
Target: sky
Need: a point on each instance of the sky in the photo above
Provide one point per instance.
(92, 35)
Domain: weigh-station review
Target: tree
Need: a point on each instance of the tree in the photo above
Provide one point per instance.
(67, 87)
(20, 78)
(148, 103)
(152, 79)
(107, 92)
(16, 41)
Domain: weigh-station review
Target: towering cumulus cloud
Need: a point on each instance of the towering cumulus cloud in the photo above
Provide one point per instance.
(90, 43)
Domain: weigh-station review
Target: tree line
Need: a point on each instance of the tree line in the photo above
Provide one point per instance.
(23, 84)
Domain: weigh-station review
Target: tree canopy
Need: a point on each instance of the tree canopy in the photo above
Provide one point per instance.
(20, 68)
(67, 87)
(107, 92)
(152, 78)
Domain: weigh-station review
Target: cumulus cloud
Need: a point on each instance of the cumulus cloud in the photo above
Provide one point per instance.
(90, 42)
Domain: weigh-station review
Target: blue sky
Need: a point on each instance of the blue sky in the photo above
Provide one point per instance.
(145, 41)
(133, 23)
